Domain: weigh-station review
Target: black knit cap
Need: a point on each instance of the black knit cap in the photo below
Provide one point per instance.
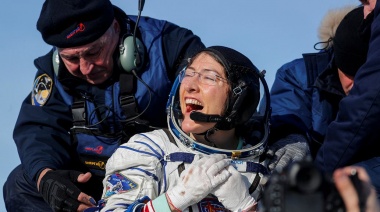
(350, 45)
(70, 23)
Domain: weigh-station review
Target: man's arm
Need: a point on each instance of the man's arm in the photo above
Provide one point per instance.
(178, 44)
(291, 115)
(41, 132)
(354, 135)
(290, 100)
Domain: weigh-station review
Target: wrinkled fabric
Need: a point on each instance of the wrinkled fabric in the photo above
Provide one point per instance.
(141, 160)
(354, 135)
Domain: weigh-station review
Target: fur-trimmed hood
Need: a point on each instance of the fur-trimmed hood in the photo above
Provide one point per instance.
(330, 23)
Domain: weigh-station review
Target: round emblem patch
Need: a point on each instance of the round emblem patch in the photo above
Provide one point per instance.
(41, 90)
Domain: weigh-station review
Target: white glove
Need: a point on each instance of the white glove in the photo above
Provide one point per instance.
(234, 193)
(198, 180)
(292, 148)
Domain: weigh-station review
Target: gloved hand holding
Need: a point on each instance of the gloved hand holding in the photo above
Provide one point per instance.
(198, 180)
(234, 193)
(293, 147)
(58, 189)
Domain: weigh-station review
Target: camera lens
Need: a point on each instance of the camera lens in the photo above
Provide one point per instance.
(305, 178)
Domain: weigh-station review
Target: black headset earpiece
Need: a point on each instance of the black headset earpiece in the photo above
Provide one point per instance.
(130, 59)
(55, 60)
(132, 50)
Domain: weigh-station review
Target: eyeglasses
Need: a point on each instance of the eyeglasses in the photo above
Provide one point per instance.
(204, 76)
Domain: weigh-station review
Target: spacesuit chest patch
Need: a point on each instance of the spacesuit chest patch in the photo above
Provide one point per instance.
(41, 90)
(210, 204)
(117, 184)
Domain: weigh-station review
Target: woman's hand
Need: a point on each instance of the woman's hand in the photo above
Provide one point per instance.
(198, 180)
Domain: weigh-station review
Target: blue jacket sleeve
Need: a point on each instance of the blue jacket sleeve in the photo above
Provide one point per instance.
(354, 135)
(179, 44)
(41, 133)
(291, 97)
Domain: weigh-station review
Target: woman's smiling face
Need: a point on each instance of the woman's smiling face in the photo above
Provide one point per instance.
(200, 96)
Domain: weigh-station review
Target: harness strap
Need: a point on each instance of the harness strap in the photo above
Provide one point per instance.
(78, 111)
(181, 167)
(127, 99)
(170, 136)
(254, 184)
(189, 157)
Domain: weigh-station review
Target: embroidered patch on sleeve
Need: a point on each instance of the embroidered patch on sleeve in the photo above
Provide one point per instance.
(117, 184)
(41, 90)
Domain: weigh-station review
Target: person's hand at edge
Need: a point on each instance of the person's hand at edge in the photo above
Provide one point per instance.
(349, 193)
(58, 189)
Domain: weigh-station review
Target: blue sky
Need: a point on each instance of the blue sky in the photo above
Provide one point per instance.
(270, 33)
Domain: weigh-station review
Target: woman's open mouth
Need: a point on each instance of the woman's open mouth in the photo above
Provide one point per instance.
(193, 104)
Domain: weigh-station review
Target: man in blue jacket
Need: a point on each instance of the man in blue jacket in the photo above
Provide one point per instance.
(353, 137)
(108, 77)
(306, 93)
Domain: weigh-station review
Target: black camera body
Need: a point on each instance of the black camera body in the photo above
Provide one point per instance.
(301, 187)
